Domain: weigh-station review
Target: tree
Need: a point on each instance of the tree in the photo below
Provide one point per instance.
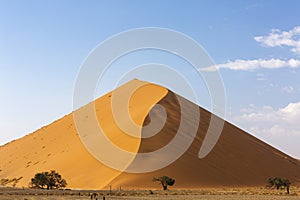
(279, 183)
(165, 181)
(49, 180)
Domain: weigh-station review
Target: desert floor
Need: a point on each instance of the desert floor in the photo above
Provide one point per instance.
(209, 194)
(181, 197)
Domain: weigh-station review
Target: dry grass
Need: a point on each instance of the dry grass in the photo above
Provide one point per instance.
(208, 194)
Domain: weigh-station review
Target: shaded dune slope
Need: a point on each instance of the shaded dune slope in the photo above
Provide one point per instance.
(238, 159)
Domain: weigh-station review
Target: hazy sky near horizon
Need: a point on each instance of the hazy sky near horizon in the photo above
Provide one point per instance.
(255, 45)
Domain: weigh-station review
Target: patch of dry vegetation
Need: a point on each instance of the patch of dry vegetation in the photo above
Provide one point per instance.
(10, 182)
(207, 193)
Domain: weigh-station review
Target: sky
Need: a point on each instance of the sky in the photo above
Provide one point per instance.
(255, 46)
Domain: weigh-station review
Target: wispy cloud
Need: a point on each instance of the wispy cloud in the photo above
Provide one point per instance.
(288, 89)
(251, 65)
(280, 38)
(267, 120)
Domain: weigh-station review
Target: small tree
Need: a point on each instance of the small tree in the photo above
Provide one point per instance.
(165, 181)
(279, 183)
(49, 180)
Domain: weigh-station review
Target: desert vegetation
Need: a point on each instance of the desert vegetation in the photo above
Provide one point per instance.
(165, 181)
(48, 180)
(279, 183)
(253, 193)
(10, 182)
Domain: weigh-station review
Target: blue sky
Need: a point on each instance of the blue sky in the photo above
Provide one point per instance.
(255, 45)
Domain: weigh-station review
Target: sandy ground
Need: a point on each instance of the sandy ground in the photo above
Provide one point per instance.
(209, 197)
(209, 194)
(181, 197)
(177, 197)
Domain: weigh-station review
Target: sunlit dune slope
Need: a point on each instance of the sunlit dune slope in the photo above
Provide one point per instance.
(58, 147)
(238, 159)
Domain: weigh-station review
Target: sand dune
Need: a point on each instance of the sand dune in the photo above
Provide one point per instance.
(238, 159)
(57, 146)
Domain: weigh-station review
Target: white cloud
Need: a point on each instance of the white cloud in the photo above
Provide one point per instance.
(251, 65)
(269, 121)
(276, 38)
(282, 38)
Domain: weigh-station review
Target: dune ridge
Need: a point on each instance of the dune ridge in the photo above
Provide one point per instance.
(238, 158)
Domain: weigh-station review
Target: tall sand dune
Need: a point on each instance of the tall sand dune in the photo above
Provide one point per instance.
(238, 159)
